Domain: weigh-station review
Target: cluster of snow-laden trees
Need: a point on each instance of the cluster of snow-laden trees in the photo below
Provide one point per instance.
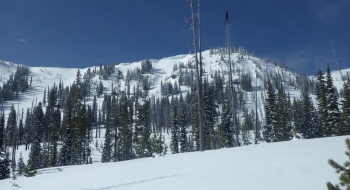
(17, 82)
(135, 122)
(53, 140)
(285, 118)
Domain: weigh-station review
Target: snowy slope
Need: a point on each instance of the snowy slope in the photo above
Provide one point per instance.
(44, 77)
(6, 68)
(287, 165)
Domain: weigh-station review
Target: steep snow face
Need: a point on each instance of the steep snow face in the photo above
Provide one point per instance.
(42, 77)
(287, 165)
(6, 69)
(213, 61)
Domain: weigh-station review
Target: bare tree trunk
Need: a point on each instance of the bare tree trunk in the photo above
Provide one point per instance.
(199, 84)
(256, 109)
(230, 79)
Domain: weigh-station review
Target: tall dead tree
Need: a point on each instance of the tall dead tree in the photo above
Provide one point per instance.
(233, 102)
(199, 74)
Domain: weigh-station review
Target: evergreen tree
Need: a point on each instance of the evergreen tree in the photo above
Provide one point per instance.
(247, 125)
(35, 154)
(195, 126)
(20, 165)
(108, 144)
(30, 170)
(65, 151)
(270, 120)
(11, 128)
(2, 132)
(345, 116)
(333, 115)
(307, 126)
(145, 123)
(344, 170)
(125, 135)
(225, 133)
(39, 123)
(158, 144)
(183, 139)
(4, 165)
(322, 102)
(174, 143)
(210, 115)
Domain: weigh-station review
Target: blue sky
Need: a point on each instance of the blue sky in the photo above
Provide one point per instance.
(81, 33)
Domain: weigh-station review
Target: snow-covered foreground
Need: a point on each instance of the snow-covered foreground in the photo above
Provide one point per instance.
(298, 164)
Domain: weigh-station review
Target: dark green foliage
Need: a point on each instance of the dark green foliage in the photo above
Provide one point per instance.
(2, 132)
(345, 116)
(322, 102)
(30, 170)
(183, 139)
(210, 116)
(146, 67)
(39, 123)
(270, 120)
(343, 170)
(174, 143)
(20, 165)
(195, 126)
(125, 132)
(246, 127)
(246, 83)
(35, 154)
(282, 124)
(145, 148)
(158, 144)
(65, 151)
(225, 133)
(11, 127)
(4, 165)
(17, 82)
(308, 127)
(333, 114)
(108, 144)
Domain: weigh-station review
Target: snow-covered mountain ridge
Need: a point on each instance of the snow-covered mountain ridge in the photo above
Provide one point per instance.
(177, 70)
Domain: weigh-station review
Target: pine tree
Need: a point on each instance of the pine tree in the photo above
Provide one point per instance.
(322, 102)
(30, 170)
(183, 139)
(145, 140)
(174, 143)
(210, 115)
(4, 165)
(225, 133)
(39, 123)
(270, 120)
(195, 126)
(2, 132)
(20, 165)
(247, 125)
(11, 128)
(157, 143)
(333, 115)
(344, 170)
(35, 154)
(345, 116)
(108, 144)
(65, 152)
(125, 134)
(307, 125)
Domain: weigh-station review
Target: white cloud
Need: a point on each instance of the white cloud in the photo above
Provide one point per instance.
(21, 40)
(325, 9)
